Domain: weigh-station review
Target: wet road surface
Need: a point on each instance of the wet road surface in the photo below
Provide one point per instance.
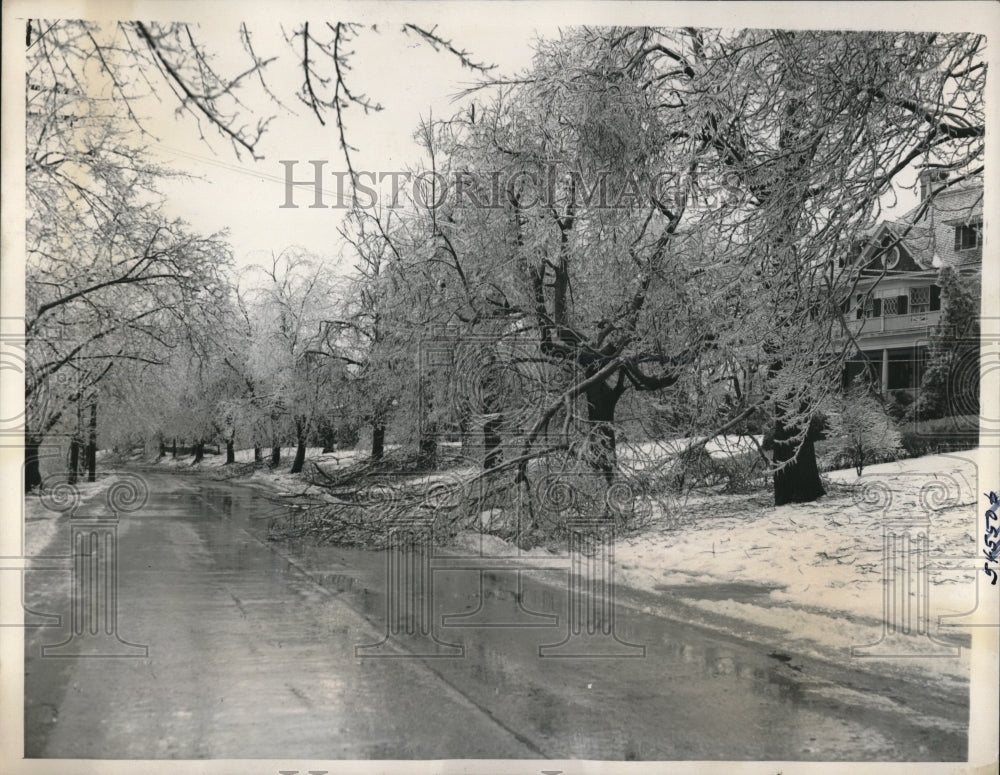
(252, 653)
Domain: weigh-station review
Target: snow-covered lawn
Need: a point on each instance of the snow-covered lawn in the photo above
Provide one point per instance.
(815, 571)
(720, 447)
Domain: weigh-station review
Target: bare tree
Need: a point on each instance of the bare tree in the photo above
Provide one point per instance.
(687, 240)
(109, 278)
(288, 304)
(139, 59)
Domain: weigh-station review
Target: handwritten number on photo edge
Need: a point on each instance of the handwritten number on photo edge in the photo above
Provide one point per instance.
(991, 551)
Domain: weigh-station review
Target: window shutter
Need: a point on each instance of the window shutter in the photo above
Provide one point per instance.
(877, 309)
(901, 302)
(935, 298)
(958, 238)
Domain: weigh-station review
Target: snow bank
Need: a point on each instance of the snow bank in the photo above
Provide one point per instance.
(42, 522)
(814, 570)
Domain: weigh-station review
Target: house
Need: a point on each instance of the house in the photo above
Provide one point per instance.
(896, 303)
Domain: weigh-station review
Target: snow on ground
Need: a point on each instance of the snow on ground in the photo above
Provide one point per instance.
(815, 571)
(44, 514)
(720, 447)
(280, 480)
(277, 479)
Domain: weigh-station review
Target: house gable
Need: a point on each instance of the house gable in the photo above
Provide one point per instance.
(888, 252)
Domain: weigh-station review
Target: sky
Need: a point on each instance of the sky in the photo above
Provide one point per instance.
(245, 196)
(400, 72)
(409, 79)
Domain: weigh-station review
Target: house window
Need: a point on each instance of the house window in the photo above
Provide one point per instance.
(920, 299)
(968, 236)
(854, 251)
(894, 305)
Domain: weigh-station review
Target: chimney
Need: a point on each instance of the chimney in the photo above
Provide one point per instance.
(930, 178)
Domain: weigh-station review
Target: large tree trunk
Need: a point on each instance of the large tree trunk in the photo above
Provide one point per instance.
(230, 452)
(798, 481)
(258, 453)
(276, 455)
(300, 457)
(74, 460)
(92, 444)
(300, 447)
(602, 443)
(162, 448)
(378, 441)
(199, 451)
(173, 447)
(32, 471)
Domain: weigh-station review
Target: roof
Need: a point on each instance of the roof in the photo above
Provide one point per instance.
(927, 232)
(957, 202)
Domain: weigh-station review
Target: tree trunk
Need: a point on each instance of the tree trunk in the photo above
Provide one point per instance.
(300, 457)
(300, 447)
(427, 448)
(77, 447)
(329, 439)
(199, 452)
(92, 444)
(492, 454)
(230, 452)
(602, 443)
(258, 453)
(32, 471)
(74, 460)
(173, 448)
(797, 482)
(427, 444)
(162, 445)
(276, 456)
(378, 441)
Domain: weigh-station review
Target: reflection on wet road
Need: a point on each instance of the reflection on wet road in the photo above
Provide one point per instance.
(252, 654)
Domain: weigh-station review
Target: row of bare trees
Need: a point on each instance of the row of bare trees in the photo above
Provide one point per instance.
(112, 284)
(652, 219)
(131, 310)
(674, 208)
